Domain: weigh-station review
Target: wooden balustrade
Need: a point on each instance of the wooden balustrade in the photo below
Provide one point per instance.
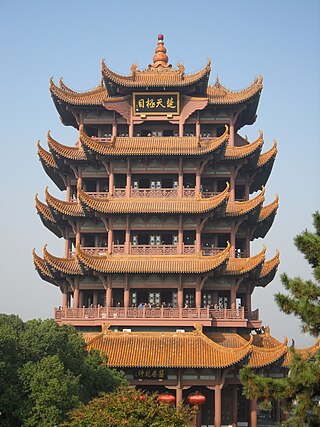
(154, 313)
(149, 250)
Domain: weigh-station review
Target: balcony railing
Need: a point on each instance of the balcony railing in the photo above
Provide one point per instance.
(154, 313)
(148, 193)
(150, 250)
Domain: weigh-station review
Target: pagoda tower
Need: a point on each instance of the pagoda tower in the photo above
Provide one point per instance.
(158, 216)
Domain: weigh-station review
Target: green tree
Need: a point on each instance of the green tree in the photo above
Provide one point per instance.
(301, 389)
(125, 408)
(45, 370)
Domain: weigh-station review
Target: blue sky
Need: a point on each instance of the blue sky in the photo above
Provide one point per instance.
(39, 39)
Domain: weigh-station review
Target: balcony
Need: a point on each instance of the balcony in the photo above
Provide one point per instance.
(151, 250)
(155, 193)
(131, 316)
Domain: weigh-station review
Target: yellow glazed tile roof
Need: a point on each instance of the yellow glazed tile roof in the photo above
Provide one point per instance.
(40, 265)
(234, 153)
(270, 265)
(245, 207)
(267, 211)
(66, 208)
(95, 96)
(219, 94)
(72, 153)
(151, 146)
(152, 264)
(189, 349)
(238, 266)
(268, 155)
(306, 353)
(112, 205)
(166, 349)
(135, 263)
(266, 356)
(156, 77)
(43, 210)
(185, 264)
(46, 157)
(63, 265)
(152, 205)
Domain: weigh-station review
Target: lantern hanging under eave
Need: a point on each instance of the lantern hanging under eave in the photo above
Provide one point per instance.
(196, 399)
(166, 398)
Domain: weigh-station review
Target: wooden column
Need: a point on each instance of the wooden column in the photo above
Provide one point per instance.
(109, 292)
(76, 294)
(232, 242)
(180, 178)
(127, 236)
(217, 406)
(114, 125)
(67, 245)
(248, 297)
(131, 123)
(234, 405)
(198, 295)
(126, 293)
(253, 413)
(78, 234)
(231, 133)
(179, 390)
(128, 183)
(198, 180)
(180, 128)
(198, 238)
(64, 296)
(110, 237)
(111, 181)
(180, 236)
(180, 292)
(232, 184)
(233, 295)
(198, 125)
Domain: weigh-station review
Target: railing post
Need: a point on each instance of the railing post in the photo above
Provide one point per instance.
(143, 312)
(161, 312)
(208, 313)
(242, 312)
(224, 313)
(98, 311)
(83, 312)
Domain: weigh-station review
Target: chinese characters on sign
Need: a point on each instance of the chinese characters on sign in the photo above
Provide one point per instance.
(156, 103)
(150, 374)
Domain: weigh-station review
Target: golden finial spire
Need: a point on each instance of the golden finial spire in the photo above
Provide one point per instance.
(160, 58)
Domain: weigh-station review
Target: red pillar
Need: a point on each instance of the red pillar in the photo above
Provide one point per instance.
(76, 294)
(217, 406)
(233, 296)
(253, 413)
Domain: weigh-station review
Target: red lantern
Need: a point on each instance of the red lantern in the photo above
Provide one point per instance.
(142, 397)
(166, 398)
(196, 399)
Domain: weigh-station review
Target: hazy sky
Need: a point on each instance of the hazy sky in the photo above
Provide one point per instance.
(39, 39)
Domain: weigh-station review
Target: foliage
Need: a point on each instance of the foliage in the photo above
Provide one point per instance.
(125, 408)
(301, 389)
(45, 371)
(304, 300)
